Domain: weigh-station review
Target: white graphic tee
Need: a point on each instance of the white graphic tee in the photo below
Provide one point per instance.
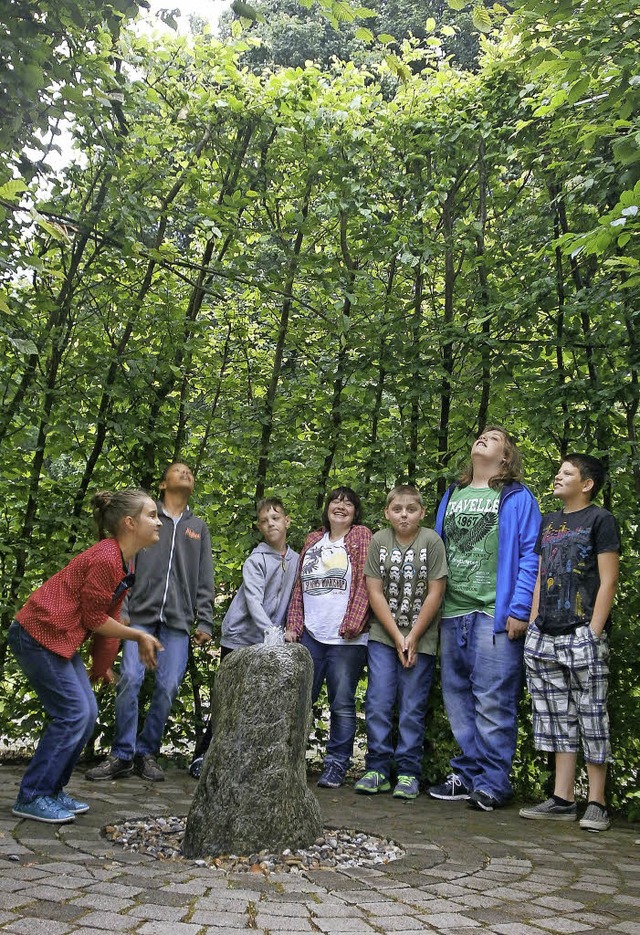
(326, 581)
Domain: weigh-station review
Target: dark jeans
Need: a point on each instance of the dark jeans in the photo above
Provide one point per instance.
(64, 690)
(390, 686)
(341, 666)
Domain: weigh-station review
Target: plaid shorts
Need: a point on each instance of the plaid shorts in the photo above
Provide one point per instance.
(568, 680)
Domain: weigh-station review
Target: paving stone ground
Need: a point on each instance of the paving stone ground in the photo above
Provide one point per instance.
(464, 872)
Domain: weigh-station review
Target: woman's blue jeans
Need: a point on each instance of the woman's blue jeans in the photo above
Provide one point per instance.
(482, 677)
(392, 686)
(168, 675)
(342, 667)
(63, 688)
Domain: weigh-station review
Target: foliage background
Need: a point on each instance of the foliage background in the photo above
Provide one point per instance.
(294, 277)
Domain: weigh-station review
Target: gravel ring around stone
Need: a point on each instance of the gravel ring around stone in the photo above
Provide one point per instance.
(161, 838)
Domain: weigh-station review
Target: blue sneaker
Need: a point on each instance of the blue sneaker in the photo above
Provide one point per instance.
(332, 776)
(407, 787)
(72, 805)
(43, 808)
(372, 782)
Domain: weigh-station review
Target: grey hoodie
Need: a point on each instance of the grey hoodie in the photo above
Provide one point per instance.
(174, 578)
(263, 597)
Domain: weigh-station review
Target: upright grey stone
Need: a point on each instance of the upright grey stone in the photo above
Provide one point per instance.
(253, 790)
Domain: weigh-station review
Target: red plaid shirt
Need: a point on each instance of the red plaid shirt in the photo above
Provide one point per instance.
(355, 621)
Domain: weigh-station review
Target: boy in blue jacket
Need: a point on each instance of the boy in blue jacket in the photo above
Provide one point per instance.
(262, 600)
(489, 522)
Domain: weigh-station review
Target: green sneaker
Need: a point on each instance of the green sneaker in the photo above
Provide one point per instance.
(407, 787)
(372, 782)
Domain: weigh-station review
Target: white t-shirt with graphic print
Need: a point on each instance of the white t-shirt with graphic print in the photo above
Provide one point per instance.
(325, 578)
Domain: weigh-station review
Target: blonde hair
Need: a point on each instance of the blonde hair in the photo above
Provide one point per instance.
(404, 490)
(510, 468)
(109, 509)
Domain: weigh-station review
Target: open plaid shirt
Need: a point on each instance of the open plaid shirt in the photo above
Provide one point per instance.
(355, 620)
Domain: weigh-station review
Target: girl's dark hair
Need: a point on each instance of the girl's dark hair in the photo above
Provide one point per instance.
(342, 493)
(109, 509)
(511, 467)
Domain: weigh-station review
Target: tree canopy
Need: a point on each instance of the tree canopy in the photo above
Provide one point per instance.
(294, 277)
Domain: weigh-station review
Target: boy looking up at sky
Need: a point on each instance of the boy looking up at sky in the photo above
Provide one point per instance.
(566, 650)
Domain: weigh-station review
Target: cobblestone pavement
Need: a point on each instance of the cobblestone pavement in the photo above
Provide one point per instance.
(464, 872)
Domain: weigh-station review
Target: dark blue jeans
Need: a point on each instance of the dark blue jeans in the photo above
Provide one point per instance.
(341, 666)
(390, 686)
(63, 688)
(482, 677)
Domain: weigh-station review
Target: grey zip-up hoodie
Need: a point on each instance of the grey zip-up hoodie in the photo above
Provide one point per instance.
(174, 578)
(263, 597)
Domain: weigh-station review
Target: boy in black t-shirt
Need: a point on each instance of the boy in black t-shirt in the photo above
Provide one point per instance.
(566, 650)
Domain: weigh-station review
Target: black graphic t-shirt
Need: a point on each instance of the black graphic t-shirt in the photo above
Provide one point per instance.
(568, 545)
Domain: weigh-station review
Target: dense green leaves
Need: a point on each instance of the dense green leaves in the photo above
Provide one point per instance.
(294, 277)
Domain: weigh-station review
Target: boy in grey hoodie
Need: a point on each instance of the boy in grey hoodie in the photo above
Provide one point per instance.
(262, 600)
(268, 576)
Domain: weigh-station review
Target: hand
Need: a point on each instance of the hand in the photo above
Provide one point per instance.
(148, 646)
(109, 677)
(200, 637)
(106, 678)
(411, 650)
(402, 652)
(290, 636)
(516, 629)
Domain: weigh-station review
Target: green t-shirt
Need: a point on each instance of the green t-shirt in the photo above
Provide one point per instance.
(405, 572)
(471, 537)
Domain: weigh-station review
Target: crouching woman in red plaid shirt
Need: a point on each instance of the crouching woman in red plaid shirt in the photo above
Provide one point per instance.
(328, 614)
(82, 598)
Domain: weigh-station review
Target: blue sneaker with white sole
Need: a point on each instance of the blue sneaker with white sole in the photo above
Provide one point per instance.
(43, 808)
(72, 805)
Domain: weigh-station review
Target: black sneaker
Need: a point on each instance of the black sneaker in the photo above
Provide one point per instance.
(146, 767)
(483, 801)
(196, 767)
(111, 768)
(452, 790)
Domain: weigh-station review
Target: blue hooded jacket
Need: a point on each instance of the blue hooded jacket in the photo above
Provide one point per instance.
(519, 521)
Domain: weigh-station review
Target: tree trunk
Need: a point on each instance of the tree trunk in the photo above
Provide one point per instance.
(285, 311)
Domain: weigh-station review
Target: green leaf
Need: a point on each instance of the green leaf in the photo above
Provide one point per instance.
(23, 345)
(57, 231)
(481, 19)
(10, 189)
(364, 34)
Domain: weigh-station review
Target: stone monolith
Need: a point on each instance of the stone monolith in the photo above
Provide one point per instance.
(253, 792)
